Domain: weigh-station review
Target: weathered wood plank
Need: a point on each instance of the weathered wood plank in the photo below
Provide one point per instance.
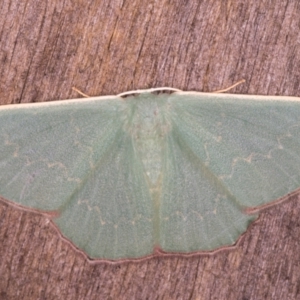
(107, 47)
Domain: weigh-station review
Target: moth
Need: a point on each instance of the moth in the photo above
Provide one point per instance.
(142, 173)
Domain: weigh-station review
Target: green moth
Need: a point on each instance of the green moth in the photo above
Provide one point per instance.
(142, 173)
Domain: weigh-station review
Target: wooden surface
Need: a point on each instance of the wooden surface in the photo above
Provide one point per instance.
(107, 47)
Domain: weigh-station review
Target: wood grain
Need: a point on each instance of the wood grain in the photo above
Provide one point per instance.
(107, 47)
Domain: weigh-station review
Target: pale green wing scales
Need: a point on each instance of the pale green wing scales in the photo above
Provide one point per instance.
(189, 221)
(225, 153)
(74, 157)
(172, 172)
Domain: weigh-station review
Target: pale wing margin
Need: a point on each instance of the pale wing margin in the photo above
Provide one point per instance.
(230, 153)
(76, 159)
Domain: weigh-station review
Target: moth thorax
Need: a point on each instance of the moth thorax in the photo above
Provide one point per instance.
(149, 139)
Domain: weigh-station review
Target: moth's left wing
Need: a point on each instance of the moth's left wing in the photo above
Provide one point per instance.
(74, 158)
